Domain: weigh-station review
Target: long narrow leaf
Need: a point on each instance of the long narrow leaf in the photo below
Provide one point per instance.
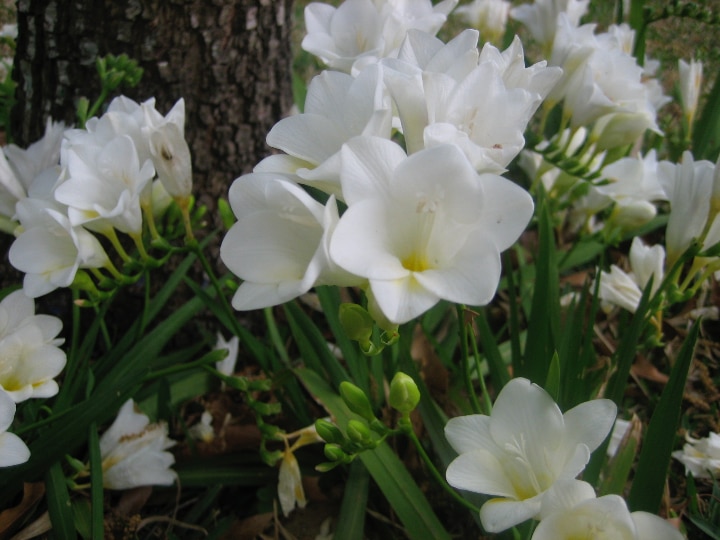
(649, 480)
(351, 521)
(58, 501)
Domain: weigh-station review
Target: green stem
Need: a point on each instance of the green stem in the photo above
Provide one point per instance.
(435, 473)
(275, 336)
(466, 361)
(486, 396)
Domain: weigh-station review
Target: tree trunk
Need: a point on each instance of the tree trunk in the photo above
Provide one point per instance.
(230, 59)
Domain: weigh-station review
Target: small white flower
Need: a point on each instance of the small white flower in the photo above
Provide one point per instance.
(689, 187)
(227, 365)
(290, 489)
(522, 449)
(13, 451)
(701, 457)
(134, 451)
(30, 357)
(691, 76)
(203, 430)
(50, 250)
(619, 288)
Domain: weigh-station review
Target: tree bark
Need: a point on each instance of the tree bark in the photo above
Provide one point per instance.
(230, 59)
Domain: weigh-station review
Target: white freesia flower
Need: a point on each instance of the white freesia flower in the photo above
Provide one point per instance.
(633, 180)
(364, 31)
(619, 288)
(522, 449)
(20, 167)
(425, 227)
(691, 76)
(483, 114)
(13, 451)
(488, 16)
(602, 84)
(50, 250)
(29, 362)
(689, 188)
(338, 107)
(279, 246)
(103, 187)
(571, 510)
(134, 451)
(419, 54)
(541, 17)
(701, 457)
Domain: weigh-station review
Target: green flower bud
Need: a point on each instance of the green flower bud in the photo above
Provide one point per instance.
(404, 393)
(334, 453)
(356, 322)
(328, 431)
(359, 433)
(356, 400)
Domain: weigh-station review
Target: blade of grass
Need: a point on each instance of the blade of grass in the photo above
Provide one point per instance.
(651, 472)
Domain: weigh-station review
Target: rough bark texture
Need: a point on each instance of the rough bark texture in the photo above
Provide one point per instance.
(229, 59)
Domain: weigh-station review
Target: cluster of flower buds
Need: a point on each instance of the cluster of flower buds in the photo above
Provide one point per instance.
(367, 431)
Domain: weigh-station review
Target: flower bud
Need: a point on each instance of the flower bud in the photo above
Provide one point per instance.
(356, 322)
(328, 431)
(356, 400)
(404, 393)
(359, 433)
(334, 453)
(171, 158)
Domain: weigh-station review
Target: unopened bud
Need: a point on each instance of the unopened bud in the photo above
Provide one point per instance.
(404, 393)
(359, 433)
(328, 431)
(356, 322)
(356, 400)
(334, 453)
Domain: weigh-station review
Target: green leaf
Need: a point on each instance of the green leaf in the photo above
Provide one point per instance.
(651, 472)
(231, 470)
(706, 132)
(351, 521)
(313, 346)
(545, 311)
(552, 383)
(96, 483)
(390, 474)
(58, 501)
